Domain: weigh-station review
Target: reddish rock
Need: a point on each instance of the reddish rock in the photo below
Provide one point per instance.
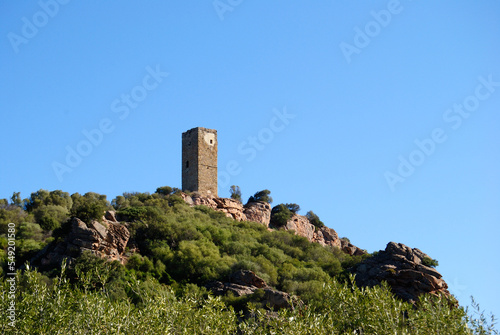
(232, 208)
(401, 267)
(301, 225)
(258, 212)
(106, 240)
(201, 200)
(327, 236)
(350, 249)
(110, 216)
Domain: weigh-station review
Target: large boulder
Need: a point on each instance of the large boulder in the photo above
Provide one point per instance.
(301, 225)
(403, 269)
(198, 199)
(323, 235)
(247, 278)
(327, 236)
(350, 249)
(232, 208)
(106, 239)
(244, 282)
(258, 212)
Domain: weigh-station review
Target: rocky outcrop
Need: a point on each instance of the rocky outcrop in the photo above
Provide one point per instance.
(323, 235)
(327, 236)
(197, 199)
(301, 225)
(106, 239)
(247, 278)
(350, 249)
(261, 212)
(403, 269)
(258, 212)
(231, 207)
(246, 282)
(254, 211)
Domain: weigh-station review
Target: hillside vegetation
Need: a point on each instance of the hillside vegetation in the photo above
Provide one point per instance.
(173, 252)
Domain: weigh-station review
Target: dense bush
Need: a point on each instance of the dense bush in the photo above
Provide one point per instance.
(90, 206)
(280, 215)
(164, 190)
(56, 306)
(262, 196)
(50, 217)
(46, 198)
(314, 219)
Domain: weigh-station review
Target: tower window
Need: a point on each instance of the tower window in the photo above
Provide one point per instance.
(187, 164)
(211, 141)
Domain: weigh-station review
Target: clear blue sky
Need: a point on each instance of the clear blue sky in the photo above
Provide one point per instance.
(355, 83)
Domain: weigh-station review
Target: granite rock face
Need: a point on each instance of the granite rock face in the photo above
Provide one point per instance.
(350, 249)
(231, 207)
(255, 211)
(403, 269)
(301, 225)
(322, 235)
(106, 239)
(258, 212)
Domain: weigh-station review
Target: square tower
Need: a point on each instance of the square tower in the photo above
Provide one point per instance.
(199, 161)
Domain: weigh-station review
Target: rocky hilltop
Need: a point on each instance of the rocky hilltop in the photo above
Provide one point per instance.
(402, 267)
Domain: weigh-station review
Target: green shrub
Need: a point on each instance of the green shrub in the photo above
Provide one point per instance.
(262, 196)
(164, 190)
(314, 219)
(50, 217)
(90, 206)
(132, 213)
(280, 215)
(235, 193)
(46, 198)
(294, 208)
(427, 261)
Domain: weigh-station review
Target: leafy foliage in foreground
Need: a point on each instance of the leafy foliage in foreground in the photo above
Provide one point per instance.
(61, 308)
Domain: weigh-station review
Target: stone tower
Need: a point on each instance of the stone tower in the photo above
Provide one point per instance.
(199, 161)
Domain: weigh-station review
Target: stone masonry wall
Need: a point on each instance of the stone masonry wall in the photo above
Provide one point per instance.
(199, 161)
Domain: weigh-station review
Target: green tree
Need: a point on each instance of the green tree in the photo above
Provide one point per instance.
(294, 208)
(4, 203)
(280, 215)
(51, 217)
(90, 206)
(314, 219)
(164, 190)
(46, 198)
(120, 202)
(235, 193)
(427, 261)
(16, 199)
(262, 196)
